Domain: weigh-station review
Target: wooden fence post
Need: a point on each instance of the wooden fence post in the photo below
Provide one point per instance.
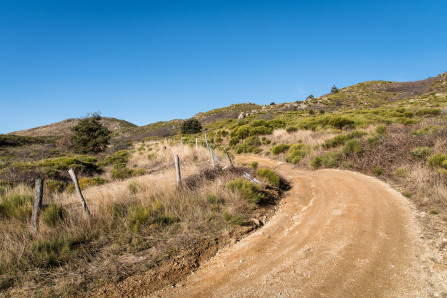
(37, 204)
(196, 144)
(177, 170)
(78, 191)
(210, 150)
(181, 140)
(229, 158)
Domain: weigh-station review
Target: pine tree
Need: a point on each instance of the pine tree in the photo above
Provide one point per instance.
(89, 135)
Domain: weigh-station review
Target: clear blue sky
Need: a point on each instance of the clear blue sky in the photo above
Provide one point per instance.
(146, 61)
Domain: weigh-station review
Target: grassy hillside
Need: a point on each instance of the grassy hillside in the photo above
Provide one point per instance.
(141, 219)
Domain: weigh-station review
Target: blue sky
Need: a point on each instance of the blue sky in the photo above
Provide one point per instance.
(147, 61)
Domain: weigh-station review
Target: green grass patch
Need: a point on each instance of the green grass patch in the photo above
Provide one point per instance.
(248, 190)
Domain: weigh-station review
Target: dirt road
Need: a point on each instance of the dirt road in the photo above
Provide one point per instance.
(336, 233)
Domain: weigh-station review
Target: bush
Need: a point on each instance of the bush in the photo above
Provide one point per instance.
(191, 126)
(421, 152)
(427, 130)
(428, 112)
(341, 139)
(119, 157)
(248, 190)
(53, 214)
(280, 148)
(377, 170)
(248, 146)
(436, 160)
(291, 129)
(90, 136)
(87, 182)
(295, 153)
(270, 176)
(328, 160)
(254, 164)
(352, 147)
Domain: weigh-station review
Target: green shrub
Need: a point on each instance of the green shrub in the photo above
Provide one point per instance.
(139, 172)
(280, 148)
(427, 130)
(53, 214)
(375, 140)
(352, 147)
(291, 129)
(152, 156)
(436, 160)
(191, 126)
(87, 182)
(248, 190)
(327, 160)
(342, 139)
(378, 170)
(421, 152)
(254, 164)
(428, 112)
(276, 123)
(89, 135)
(295, 153)
(119, 157)
(269, 176)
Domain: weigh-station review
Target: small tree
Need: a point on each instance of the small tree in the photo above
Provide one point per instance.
(89, 135)
(191, 126)
(334, 89)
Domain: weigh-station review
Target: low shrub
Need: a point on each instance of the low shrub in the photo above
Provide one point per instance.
(120, 157)
(87, 182)
(327, 160)
(428, 112)
(421, 152)
(427, 130)
(254, 164)
(248, 190)
(280, 148)
(437, 160)
(291, 129)
(352, 147)
(269, 176)
(378, 170)
(295, 153)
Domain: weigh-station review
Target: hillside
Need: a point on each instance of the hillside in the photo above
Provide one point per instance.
(63, 127)
(147, 231)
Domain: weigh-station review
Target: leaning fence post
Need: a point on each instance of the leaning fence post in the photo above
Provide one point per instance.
(177, 170)
(37, 204)
(229, 158)
(78, 190)
(196, 144)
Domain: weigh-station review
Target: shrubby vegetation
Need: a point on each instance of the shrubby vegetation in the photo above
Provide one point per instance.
(89, 135)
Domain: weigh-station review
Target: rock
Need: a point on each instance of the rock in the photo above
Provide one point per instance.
(241, 116)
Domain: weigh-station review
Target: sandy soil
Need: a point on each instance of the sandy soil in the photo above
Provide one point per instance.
(336, 233)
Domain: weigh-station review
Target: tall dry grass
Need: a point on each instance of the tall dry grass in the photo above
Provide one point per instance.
(309, 137)
(147, 213)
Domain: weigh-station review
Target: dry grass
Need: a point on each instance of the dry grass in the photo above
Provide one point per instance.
(309, 137)
(134, 224)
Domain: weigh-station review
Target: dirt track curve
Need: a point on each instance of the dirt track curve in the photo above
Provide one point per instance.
(336, 233)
